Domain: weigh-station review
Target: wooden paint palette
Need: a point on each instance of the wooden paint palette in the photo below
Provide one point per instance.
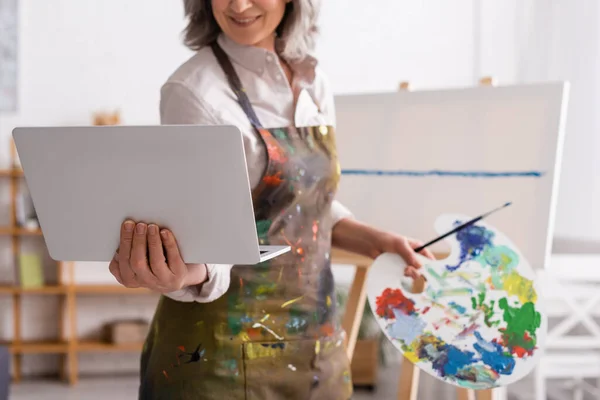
(478, 324)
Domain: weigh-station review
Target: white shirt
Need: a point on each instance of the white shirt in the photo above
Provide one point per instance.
(198, 93)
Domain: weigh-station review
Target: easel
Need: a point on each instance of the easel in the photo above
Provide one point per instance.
(409, 373)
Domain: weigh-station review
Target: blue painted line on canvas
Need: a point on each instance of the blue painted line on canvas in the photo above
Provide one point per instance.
(443, 173)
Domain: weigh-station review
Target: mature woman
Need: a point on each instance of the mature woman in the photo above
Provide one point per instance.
(268, 331)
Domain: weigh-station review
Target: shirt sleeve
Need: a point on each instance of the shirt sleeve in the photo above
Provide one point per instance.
(180, 106)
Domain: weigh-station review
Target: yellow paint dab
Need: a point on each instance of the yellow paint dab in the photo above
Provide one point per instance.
(411, 356)
(516, 285)
(244, 336)
(328, 301)
(287, 303)
(317, 347)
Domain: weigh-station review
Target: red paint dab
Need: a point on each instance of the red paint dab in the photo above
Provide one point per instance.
(254, 332)
(327, 329)
(392, 299)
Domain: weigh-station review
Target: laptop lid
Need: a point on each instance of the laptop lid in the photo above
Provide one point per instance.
(85, 181)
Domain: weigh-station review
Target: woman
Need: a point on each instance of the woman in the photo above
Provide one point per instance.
(268, 331)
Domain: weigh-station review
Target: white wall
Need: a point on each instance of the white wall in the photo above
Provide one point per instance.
(372, 48)
(77, 57)
(526, 41)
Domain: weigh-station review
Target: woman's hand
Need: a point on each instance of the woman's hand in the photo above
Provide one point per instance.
(140, 260)
(403, 246)
(357, 237)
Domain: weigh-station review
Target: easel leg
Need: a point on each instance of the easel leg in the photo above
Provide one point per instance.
(354, 309)
(486, 394)
(409, 381)
(464, 394)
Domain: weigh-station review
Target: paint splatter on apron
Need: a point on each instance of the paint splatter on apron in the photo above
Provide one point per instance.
(275, 333)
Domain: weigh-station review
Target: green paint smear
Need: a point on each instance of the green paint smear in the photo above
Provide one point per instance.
(279, 134)
(488, 309)
(439, 278)
(502, 261)
(266, 289)
(519, 323)
(234, 324)
(262, 228)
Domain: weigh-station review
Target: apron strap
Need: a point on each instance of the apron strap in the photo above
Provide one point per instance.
(236, 84)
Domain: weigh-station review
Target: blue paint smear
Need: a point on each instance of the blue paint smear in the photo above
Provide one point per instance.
(457, 307)
(473, 241)
(444, 173)
(407, 327)
(492, 355)
(454, 361)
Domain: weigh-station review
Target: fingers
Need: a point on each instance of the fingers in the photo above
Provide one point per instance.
(409, 256)
(113, 267)
(127, 275)
(158, 263)
(139, 256)
(411, 272)
(425, 252)
(174, 261)
(407, 252)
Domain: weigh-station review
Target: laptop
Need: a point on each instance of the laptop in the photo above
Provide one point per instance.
(85, 181)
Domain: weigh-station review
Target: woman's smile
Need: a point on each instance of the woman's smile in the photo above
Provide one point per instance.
(244, 22)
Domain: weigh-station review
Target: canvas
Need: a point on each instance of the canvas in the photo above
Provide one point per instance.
(480, 321)
(408, 157)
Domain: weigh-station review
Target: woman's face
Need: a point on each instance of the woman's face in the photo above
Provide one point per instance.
(249, 22)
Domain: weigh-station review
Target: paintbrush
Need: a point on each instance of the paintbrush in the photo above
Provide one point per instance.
(461, 227)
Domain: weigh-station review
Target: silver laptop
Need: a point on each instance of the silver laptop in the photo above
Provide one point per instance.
(85, 181)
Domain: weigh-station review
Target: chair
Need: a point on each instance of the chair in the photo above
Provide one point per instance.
(571, 287)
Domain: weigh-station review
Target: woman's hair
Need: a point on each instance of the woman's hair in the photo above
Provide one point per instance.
(297, 30)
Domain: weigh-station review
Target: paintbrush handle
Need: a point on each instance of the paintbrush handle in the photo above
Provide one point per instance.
(458, 228)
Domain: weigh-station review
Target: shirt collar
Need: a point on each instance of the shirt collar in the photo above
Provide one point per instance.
(256, 58)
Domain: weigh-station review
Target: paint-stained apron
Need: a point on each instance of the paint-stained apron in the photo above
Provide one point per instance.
(275, 333)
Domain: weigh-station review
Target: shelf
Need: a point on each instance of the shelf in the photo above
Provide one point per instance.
(43, 290)
(37, 347)
(7, 289)
(57, 289)
(108, 289)
(11, 172)
(80, 289)
(15, 231)
(90, 347)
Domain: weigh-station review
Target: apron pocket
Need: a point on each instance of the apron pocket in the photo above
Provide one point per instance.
(296, 370)
(278, 370)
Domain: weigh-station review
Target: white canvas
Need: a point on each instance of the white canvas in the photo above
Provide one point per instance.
(408, 157)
